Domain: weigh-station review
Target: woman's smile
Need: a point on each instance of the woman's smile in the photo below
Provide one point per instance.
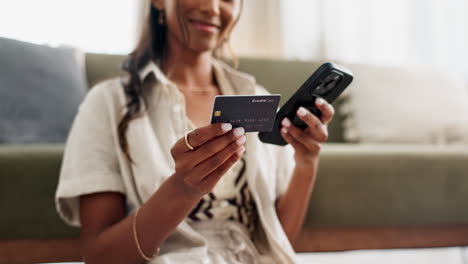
(204, 26)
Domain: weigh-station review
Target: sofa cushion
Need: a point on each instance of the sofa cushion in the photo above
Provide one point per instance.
(40, 91)
(406, 105)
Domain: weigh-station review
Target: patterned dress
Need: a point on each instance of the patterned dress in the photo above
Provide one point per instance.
(230, 200)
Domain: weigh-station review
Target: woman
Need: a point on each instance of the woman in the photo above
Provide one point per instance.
(143, 189)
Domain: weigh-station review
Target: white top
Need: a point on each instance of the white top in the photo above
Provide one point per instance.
(93, 161)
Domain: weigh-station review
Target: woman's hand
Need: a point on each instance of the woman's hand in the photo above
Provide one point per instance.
(217, 148)
(307, 142)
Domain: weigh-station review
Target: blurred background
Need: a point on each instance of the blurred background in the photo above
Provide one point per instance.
(393, 174)
(401, 32)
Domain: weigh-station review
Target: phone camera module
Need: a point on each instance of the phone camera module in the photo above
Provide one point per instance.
(328, 83)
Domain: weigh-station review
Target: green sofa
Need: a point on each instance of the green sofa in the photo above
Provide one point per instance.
(366, 196)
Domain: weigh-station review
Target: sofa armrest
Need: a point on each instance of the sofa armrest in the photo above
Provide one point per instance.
(374, 185)
(28, 180)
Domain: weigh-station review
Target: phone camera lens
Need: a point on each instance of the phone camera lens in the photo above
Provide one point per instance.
(330, 85)
(320, 87)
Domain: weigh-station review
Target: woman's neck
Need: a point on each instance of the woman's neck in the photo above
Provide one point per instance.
(188, 68)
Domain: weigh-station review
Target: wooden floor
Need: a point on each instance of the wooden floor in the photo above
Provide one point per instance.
(310, 240)
(339, 239)
(38, 251)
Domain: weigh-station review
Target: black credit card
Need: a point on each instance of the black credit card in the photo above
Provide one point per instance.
(255, 113)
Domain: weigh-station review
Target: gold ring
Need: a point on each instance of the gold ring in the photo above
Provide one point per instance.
(186, 140)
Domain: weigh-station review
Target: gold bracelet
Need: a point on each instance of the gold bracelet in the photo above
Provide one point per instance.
(138, 244)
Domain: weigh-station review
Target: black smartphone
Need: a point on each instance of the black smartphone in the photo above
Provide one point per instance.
(327, 82)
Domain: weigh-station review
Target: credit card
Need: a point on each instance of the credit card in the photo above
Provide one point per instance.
(255, 113)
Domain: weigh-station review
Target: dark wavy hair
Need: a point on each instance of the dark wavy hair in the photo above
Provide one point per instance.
(151, 46)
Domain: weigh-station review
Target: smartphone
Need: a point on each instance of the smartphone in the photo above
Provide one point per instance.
(327, 82)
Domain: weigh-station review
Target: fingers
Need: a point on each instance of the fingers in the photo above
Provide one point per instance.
(315, 128)
(297, 137)
(201, 135)
(215, 161)
(211, 179)
(215, 145)
(291, 140)
(216, 153)
(327, 110)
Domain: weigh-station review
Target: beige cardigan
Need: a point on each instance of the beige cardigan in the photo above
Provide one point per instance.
(93, 161)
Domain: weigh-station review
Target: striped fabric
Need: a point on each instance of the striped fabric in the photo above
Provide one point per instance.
(230, 200)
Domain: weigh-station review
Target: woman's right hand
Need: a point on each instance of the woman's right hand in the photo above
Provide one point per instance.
(217, 148)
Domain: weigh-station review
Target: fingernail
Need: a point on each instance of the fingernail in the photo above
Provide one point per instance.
(319, 101)
(286, 122)
(284, 130)
(301, 111)
(226, 127)
(240, 151)
(241, 140)
(238, 131)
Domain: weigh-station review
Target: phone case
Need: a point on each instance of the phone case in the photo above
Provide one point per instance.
(327, 82)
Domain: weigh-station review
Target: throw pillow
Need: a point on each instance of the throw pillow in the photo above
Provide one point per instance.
(405, 105)
(40, 90)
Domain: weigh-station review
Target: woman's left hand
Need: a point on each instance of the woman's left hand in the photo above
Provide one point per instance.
(307, 143)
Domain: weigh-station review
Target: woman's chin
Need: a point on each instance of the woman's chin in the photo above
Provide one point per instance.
(204, 46)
